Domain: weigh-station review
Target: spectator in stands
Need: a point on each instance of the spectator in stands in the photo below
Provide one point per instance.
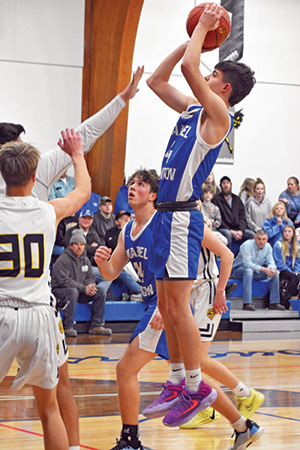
(275, 222)
(210, 181)
(73, 281)
(85, 221)
(62, 187)
(233, 225)
(287, 259)
(212, 213)
(247, 189)
(93, 241)
(111, 241)
(103, 218)
(112, 234)
(291, 198)
(257, 207)
(62, 228)
(255, 262)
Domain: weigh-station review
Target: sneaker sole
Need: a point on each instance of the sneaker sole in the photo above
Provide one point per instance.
(159, 413)
(200, 422)
(256, 435)
(205, 403)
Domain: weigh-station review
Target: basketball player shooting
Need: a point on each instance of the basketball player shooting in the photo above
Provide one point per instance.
(178, 226)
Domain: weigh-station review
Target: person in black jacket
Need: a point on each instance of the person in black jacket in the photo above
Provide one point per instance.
(93, 241)
(233, 225)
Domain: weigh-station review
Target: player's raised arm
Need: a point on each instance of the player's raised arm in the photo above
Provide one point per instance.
(207, 93)
(67, 206)
(132, 88)
(111, 267)
(159, 82)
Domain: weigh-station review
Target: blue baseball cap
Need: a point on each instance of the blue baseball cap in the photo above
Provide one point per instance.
(86, 212)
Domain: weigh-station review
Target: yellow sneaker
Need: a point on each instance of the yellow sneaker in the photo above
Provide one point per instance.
(248, 405)
(208, 415)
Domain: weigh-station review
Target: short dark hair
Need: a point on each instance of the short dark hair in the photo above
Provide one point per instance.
(148, 176)
(240, 77)
(10, 132)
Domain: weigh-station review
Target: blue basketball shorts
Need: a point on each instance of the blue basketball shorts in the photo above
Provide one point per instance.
(177, 238)
(151, 340)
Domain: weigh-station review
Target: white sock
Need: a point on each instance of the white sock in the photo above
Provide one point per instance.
(193, 378)
(177, 373)
(74, 447)
(241, 390)
(240, 425)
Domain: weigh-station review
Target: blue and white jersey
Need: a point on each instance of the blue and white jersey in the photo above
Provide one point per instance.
(137, 251)
(188, 160)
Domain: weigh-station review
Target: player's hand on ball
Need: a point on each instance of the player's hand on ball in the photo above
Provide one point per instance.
(211, 16)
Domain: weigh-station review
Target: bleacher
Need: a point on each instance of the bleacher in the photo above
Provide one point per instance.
(122, 315)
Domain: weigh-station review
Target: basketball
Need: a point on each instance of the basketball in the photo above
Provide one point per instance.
(215, 37)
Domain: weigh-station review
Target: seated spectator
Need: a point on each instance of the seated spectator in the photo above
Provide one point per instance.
(210, 181)
(103, 218)
(257, 207)
(291, 198)
(255, 262)
(247, 189)
(93, 241)
(287, 259)
(112, 234)
(62, 187)
(85, 221)
(73, 281)
(211, 213)
(275, 222)
(111, 240)
(233, 225)
(62, 228)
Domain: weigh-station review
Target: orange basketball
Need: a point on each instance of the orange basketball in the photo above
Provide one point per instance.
(213, 38)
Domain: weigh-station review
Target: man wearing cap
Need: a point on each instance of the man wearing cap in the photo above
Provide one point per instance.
(85, 221)
(111, 241)
(233, 225)
(112, 234)
(73, 281)
(103, 218)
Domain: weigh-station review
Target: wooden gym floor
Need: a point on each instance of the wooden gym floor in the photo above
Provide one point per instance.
(273, 367)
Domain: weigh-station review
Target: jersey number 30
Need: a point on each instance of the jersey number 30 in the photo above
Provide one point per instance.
(10, 255)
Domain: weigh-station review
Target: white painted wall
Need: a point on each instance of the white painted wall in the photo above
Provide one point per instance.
(41, 59)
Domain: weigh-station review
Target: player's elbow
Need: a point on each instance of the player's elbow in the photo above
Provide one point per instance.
(151, 82)
(187, 68)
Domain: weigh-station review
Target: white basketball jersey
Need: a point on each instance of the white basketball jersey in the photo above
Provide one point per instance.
(27, 235)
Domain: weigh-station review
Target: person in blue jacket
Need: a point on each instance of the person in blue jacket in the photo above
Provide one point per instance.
(287, 259)
(275, 223)
(291, 198)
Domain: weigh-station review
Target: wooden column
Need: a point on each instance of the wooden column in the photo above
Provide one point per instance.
(110, 32)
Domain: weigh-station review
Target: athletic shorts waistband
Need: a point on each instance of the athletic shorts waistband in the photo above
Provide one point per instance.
(176, 206)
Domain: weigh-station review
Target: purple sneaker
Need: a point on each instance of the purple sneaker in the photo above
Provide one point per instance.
(166, 400)
(189, 404)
